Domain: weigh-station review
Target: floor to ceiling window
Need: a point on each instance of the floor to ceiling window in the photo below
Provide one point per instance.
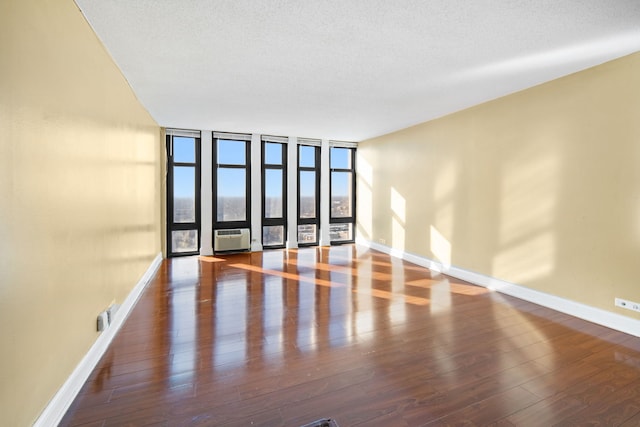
(343, 191)
(274, 194)
(183, 192)
(280, 204)
(308, 194)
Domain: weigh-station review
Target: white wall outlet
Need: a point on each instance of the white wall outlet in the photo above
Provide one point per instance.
(629, 305)
(111, 312)
(103, 321)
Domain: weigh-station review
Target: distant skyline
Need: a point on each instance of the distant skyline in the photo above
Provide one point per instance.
(232, 208)
(232, 180)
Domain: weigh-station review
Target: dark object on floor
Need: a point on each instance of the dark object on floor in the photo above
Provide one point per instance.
(325, 422)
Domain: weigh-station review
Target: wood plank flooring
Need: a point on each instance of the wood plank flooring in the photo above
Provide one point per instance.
(282, 338)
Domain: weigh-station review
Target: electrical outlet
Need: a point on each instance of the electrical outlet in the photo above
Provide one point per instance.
(111, 312)
(103, 321)
(629, 305)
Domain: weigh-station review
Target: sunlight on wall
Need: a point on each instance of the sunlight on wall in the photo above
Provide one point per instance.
(398, 205)
(529, 191)
(540, 191)
(365, 211)
(530, 260)
(365, 197)
(365, 170)
(441, 249)
(444, 218)
(398, 221)
(443, 221)
(445, 182)
(397, 237)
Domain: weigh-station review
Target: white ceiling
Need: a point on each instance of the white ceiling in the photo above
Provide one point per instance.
(348, 69)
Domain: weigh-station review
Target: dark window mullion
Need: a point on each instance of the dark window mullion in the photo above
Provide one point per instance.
(226, 166)
(341, 220)
(273, 221)
(184, 225)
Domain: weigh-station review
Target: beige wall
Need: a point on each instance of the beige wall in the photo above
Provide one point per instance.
(540, 188)
(79, 193)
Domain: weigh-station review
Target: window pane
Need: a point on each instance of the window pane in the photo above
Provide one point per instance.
(184, 194)
(273, 200)
(307, 156)
(232, 194)
(232, 152)
(341, 194)
(340, 158)
(273, 235)
(184, 149)
(184, 240)
(307, 233)
(307, 194)
(273, 153)
(340, 232)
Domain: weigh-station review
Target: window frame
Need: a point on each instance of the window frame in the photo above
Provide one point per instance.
(182, 226)
(350, 219)
(225, 225)
(281, 221)
(316, 220)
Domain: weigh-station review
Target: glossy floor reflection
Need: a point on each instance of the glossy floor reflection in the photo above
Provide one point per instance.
(282, 338)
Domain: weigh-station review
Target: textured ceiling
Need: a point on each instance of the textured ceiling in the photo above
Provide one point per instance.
(348, 70)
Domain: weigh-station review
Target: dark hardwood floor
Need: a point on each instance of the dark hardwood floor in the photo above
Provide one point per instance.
(282, 338)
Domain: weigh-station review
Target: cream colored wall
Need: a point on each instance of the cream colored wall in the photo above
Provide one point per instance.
(79, 193)
(540, 188)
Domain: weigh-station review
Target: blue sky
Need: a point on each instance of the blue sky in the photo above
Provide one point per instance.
(232, 152)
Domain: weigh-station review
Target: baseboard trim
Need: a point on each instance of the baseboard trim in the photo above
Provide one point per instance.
(59, 404)
(592, 314)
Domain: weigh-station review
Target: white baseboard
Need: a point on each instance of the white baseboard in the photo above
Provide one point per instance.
(592, 314)
(59, 404)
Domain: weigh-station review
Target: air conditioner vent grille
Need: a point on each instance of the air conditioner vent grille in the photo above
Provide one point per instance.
(232, 240)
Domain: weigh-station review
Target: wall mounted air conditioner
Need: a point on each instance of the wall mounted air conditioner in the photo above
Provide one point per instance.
(231, 240)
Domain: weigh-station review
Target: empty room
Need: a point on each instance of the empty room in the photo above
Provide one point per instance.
(331, 213)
